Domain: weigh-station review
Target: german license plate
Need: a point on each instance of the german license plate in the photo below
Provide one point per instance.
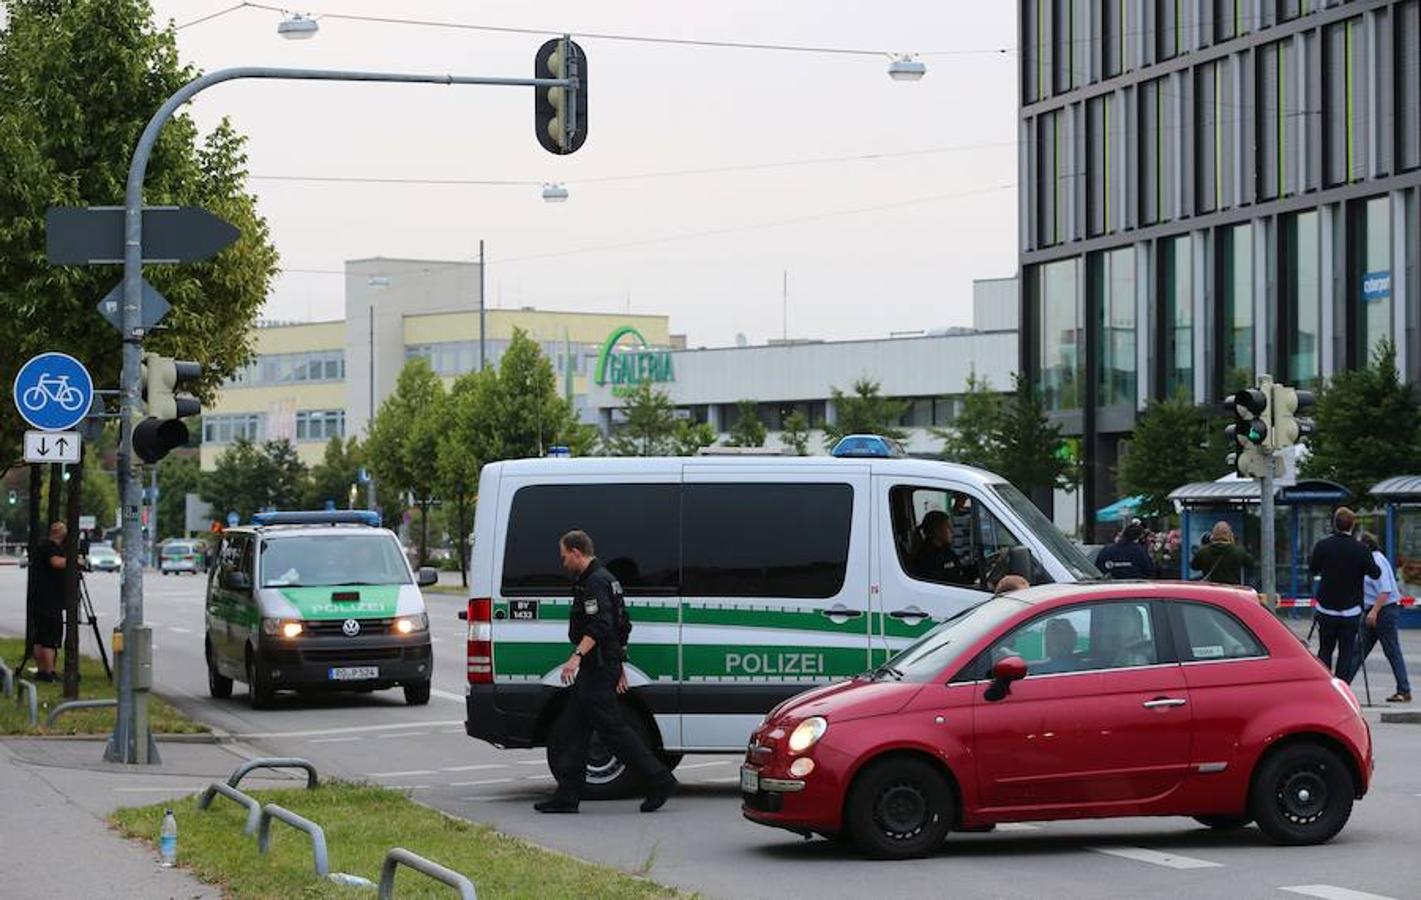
(354, 673)
(749, 781)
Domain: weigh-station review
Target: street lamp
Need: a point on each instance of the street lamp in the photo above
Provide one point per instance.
(905, 67)
(297, 27)
(555, 192)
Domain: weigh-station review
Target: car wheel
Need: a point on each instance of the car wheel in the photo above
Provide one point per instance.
(1302, 794)
(259, 693)
(1224, 823)
(899, 808)
(219, 687)
(609, 778)
(417, 694)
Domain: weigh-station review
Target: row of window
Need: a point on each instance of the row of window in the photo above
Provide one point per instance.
(320, 424)
(289, 368)
(310, 425)
(454, 358)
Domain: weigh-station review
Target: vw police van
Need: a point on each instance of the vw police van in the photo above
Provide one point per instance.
(747, 579)
(316, 601)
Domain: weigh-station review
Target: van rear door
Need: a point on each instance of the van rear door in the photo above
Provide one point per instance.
(775, 581)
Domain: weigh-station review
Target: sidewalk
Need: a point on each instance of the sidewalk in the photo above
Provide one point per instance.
(53, 837)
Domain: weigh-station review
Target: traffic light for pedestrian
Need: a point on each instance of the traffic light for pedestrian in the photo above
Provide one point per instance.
(162, 428)
(1248, 435)
(1290, 407)
(560, 113)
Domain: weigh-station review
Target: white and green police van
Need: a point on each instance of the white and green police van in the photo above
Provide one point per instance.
(747, 579)
(316, 601)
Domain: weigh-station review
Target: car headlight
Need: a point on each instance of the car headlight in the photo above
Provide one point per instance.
(411, 624)
(807, 733)
(288, 628)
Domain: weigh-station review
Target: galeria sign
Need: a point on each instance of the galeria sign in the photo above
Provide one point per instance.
(625, 369)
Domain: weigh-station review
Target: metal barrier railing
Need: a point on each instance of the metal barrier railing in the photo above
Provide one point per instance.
(274, 762)
(317, 834)
(402, 857)
(7, 678)
(70, 705)
(33, 693)
(254, 809)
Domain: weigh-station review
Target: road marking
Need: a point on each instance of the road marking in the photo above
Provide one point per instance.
(485, 781)
(474, 768)
(1155, 857)
(1017, 826)
(343, 740)
(531, 762)
(733, 780)
(353, 728)
(452, 731)
(546, 776)
(178, 630)
(446, 695)
(408, 774)
(701, 765)
(163, 790)
(402, 736)
(1332, 892)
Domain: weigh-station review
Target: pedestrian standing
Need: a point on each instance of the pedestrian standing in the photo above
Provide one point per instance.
(1343, 563)
(598, 628)
(1127, 557)
(1381, 600)
(1221, 560)
(49, 562)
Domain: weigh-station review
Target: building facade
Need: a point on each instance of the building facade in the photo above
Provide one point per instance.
(1211, 190)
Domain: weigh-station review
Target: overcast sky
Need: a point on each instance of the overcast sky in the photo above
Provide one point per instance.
(871, 246)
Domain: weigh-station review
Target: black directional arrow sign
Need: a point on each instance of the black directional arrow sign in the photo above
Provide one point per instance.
(77, 235)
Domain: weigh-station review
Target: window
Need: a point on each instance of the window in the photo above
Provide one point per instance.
(1178, 331)
(1302, 298)
(1211, 633)
(1151, 144)
(1169, 27)
(1278, 110)
(635, 527)
(1407, 83)
(226, 428)
(310, 560)
(1065, 551)
(765, 540)
(1343, 84)
(1050, 177)
(319, 424)
(1228, 19)
(1085, 638)
(1062, 345)
(932, 530)
(1114, 283)
(1101, 163)
(289, 368)
(1236, 281)
(1371, 289)
(1113, 14)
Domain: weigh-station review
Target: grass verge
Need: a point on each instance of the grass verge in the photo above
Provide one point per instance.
(362, 822)
(445, 589)
(93, 685)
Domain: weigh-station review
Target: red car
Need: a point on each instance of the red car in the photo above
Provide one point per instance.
(1071, 702)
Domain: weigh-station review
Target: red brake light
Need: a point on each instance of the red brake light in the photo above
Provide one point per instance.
(480, 641)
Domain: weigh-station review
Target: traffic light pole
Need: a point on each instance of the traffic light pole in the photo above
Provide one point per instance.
(1268, 537)
(131, 741)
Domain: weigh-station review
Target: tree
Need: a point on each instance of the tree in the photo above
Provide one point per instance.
(178, 476)
(535, 417)
(864, 412)
(1031, 453)
(972, 439)
(333, 476)
(748, 430)
(795, 434)
(402, 445)
(80, 81)
(690, 437)
(471, 438)
(251, 477)
(650, 426)
(1171, 447)
(1368, 427)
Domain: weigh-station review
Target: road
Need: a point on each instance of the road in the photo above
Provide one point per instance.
(700, 841)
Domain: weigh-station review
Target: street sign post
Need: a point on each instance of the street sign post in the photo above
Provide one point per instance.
(53, 391)
(93, 235)
(52, 446)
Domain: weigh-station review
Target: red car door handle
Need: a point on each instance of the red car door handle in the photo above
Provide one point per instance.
(1164, 701)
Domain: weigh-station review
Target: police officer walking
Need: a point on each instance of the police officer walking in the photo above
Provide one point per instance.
(597, 628)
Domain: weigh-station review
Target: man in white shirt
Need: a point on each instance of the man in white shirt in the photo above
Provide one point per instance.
(1381, 600)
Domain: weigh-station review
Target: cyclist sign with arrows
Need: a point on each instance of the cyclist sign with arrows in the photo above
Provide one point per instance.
(53, 392)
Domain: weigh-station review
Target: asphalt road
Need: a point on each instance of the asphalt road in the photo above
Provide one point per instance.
(700, 841)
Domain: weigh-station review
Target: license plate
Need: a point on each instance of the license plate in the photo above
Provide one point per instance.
(749, 781)
(355, 673)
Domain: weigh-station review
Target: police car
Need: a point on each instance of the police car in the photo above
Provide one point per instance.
(316, 601)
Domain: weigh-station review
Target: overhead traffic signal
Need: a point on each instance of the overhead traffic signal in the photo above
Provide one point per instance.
(1290, 407)
(560, 113)
(1248, 435)
(162, 429)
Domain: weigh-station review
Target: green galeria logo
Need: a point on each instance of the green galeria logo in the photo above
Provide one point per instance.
(625, 369)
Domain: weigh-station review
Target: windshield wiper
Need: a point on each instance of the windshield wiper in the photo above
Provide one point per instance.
(886, 669)
(357, 583)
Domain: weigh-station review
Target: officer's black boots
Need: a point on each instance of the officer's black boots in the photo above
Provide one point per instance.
(660, 793)
(556, 805)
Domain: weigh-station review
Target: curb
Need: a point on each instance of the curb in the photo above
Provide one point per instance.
(212, 738)
(1402, 717)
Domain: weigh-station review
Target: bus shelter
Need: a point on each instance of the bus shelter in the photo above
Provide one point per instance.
(1400, 497)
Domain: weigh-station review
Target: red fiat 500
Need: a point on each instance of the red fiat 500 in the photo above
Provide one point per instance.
(1071, 702)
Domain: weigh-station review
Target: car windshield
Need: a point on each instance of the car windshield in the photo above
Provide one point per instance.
(102, 551)
(1067, 553)
(332, 559)
(928, 656)
(178, 550)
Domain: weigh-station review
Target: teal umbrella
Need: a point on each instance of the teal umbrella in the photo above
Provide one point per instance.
(1123, 508)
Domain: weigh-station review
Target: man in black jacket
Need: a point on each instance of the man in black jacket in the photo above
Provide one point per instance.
(1127, 557)
(597, 629)
(1343, 563)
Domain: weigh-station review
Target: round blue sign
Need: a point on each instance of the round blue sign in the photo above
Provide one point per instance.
(53, 391)
(233, 519)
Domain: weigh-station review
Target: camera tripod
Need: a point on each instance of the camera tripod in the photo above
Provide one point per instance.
(87, 616)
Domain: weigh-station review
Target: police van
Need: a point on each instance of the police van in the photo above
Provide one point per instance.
(748, 580)
(316, 601)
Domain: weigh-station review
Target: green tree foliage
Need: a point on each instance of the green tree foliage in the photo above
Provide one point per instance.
(691, 437)
(865, 411)
(332, 477)
(80, 79)
(251, 477)
(972, 439)
(1171, 447)
(402, 446)
(473, 436)
(1031, 453)
(1368, 427)
(650, 426)
(534, 415)
(178, 476)
(748, 430)
(795, 434)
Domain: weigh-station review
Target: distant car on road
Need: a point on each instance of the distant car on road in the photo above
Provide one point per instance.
(104, 558)
(177, 557)
(1071, 702)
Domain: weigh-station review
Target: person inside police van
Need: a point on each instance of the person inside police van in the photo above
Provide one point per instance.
(935, 559)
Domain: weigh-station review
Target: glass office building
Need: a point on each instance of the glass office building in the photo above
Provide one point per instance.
(1212, 189)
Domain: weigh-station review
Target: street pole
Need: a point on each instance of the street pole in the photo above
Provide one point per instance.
(370, 419)
(1268, 522)
(482, 349)
(153, 515)
(131, 741)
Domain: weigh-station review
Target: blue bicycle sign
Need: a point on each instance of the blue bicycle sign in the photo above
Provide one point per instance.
(53, 391)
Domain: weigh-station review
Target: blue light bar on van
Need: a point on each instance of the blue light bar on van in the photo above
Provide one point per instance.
(319, 517)
(872, 446)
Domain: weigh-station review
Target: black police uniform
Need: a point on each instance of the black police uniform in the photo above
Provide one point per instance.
(593, 705)
(941, 564)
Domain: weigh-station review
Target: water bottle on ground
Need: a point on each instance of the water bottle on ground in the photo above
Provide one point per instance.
(168, 841)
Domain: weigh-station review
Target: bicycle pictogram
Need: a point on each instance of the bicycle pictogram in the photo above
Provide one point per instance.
(53, 391)
(53, 388)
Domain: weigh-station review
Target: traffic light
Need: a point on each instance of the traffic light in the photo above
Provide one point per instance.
(1290, 408)
(163, 429)
(560, 113)
(1248, 435)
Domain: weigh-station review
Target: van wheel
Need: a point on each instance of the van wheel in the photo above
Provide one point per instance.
(1302, 794)
(1224, 823)
(219, 687)
(608, 778)
(417, 694)
(899, 808)
(259, 694)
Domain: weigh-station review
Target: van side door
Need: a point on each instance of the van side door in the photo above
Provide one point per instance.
(775, 590)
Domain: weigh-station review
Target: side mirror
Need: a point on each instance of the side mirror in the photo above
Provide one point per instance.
(239, 581)
(428, 575)
(1004, 672)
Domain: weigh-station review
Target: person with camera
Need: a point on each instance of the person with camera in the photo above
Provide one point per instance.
(1220, 558)
(1381, 601)
(1344, 564)
(50, 565)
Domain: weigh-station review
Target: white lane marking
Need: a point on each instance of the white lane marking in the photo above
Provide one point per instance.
(343, 740)
(719, 762)
(348, 730)
(401, 736)
(734, 780)
(157, 790)
(485, 781)
(446, 695)
(407, 774)
(1017, 826)
(473, 768)
(452, 731)
(1332, 892)
(178, 630)
(546, 776)
(1156, 858)
(531, 762)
